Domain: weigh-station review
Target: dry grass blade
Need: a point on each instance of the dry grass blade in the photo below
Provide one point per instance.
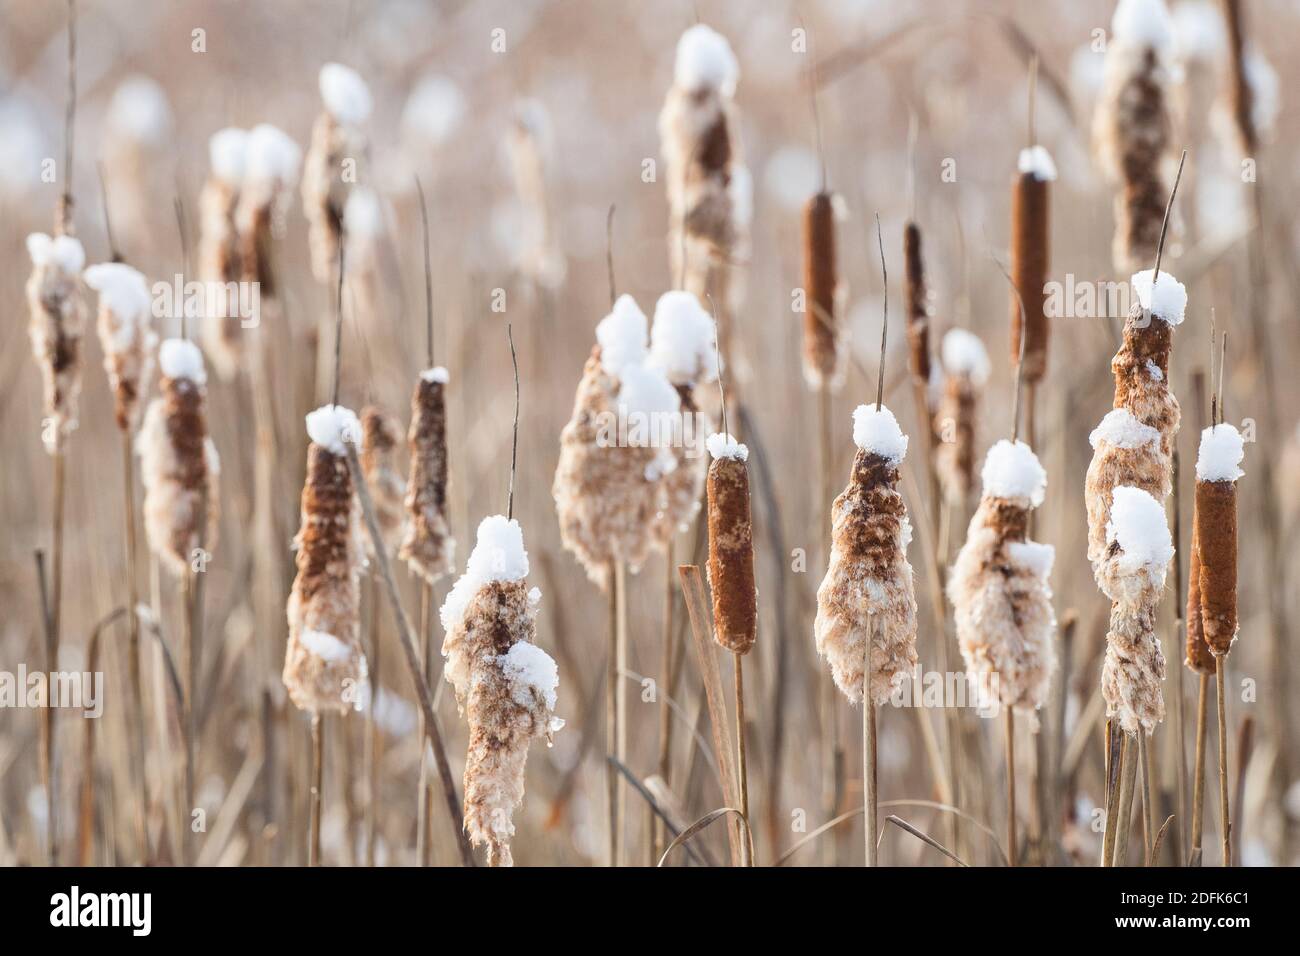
(703, 823)
(699, 856)
(926, 839)
(697, 608)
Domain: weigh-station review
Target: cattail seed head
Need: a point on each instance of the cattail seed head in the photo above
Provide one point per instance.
(427, 545)
(380, 433)
(58, 320)
(179, 466)
(822, 358)
(337, 143)
(966, 365)
(867, 600)
(731, 546)
(1030, 258)
(999, 587)
(505, 684)
(220, 256)
(1199, 658)
(323, 661)
(125, 335)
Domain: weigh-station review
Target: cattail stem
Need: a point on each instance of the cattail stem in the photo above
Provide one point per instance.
(612, 713)
(52, 659)
(1114, 760)
(317, 786)
(432, 731)
(869, 768)
(667, 663)
(374, 738)
(133, 649)
(1198, 779)
(832, 747)
(1009, 727)
(1148, 800)
(1225, 827)
(1128, 780)
(742, 773)
(620, 700)
(422, 807)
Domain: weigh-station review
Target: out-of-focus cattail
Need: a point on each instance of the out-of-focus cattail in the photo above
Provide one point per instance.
(868, 593)
(682, 347)
(380, 432)
(1132, 127)
(613, 452)
(1217, 471)
(323, 660)
(58, 320)
(916, 305)
(966, 367)
(999, 585)
(364, 216)
(220, 259)
(1241, 93)
(125, 335)
(137, 139)
(1139, 550)
(540, 256)
(1031, 258)
(505, 684)
(179, 467)
(271, 165)
(337, 144)
(709, 188)
(428, 547)
(1133, 445)
(823, 364)
(731, 546)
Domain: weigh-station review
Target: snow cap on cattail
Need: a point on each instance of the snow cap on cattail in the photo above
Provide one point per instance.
(58, 319)
(179, 467)
(999, 584)
(227, 155)
(705, 62)
(323, 659)
(966, 367)
(428, 547)
(125, 334)
(505, 684)
(336, 137)
(1218, 466)
(220, 255)
(866, 604)
(345, 94)
(731, 546)
(1132, 126)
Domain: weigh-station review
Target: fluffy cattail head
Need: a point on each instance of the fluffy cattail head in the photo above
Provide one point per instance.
(323, 663)
(220, 257)
(866, 605)
(505, 684)
(1030, 258)
(731, 546)
(822, 356)
(1217, 471)
(917, 305)
(380, 433)
(427, 545)
(966, 365)
(614, 451)
(1132, 127)
(999, 584)
(58, 319)
(124, 334)
(179, 466)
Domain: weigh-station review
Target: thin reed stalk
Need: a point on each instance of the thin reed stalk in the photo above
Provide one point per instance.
(742, 772)
(1198, 780)
(422, 805)
(317, 787)
(612, 714)
(1225, 821)
(1009, 730)
(869, 772)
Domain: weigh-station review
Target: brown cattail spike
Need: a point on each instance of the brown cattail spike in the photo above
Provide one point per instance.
(1217, 471)
(731, 546)
(1030, 258)
(916, 304)
(427, 545)
(821, 345)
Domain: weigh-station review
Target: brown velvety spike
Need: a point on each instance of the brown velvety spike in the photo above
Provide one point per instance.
(918, 312)
(427, 545)
(820, 338)
(1030, 255)
(731, 556)
(1199, 657)
(1216, 531)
